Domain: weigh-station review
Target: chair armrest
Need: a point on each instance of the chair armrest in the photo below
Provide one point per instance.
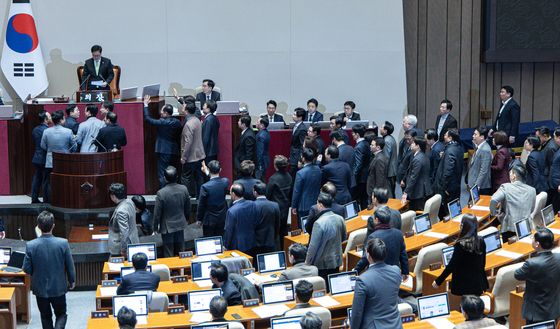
(411, 283)
(488, 299)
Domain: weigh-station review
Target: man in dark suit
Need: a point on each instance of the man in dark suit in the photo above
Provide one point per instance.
(448, 175)
(220, 279)
(271, 114)
(378, 167)
(349, 114)
(339, 173)
(410, 131)
(246, 179)
(98, 71)
(72, 115)
(279, 189)
(337, 124)
(306, 185)
(312, 115)
(247, 147)
(296, 255)
(167, 140)
(507, 119)
(445, 120)
(298, 137)
(548, 148)
(212, 205)
(241, 220)
(39, 157)
(48, 260)
(140, 279)
(554, 177)
(268, 225)
(112, 136)
(391, 151)
(210, 131)
(208, 93)
(435, 148)
(345, 151)
(417, 186)
(362, 157)
(535, 165)
(379, 199)
(315, 213)
(263, 141)
(171, 213)
(2, 229)
(541, 300)
(314, 131)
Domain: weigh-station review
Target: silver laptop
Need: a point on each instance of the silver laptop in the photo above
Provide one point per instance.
(151, 90)
(129, 93)
(352, 124)
(227, 107)
(276, 126)
(6, 111)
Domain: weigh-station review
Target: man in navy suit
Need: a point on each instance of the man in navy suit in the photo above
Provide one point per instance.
(220, 279)
(447, 182)
(378, 167)
(337, 124)
(263, 141)
(535, 165)
(417, 186)
(508, 116)
(268, 225)
(247, 147)
(212, 205)
(345, 151)
(362, 157)
(306, 185)
(98, 71)
(167, 141)
(349, 114)
(241, 221)
(140, 279)
(314, 131)
(39, 157)
(554, 180)
(315, 213)
(298, 137)
(208, 93)
(210, 130)
(112, 136)
(436, 148)
(246, 179)
(339, 173)
(271, 114)
(445, 120)
(72, 115)
(312, 115)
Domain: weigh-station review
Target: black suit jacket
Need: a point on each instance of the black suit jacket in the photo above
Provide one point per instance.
(378, 173)
(110, 135)
(230, 293)
(247, 148)
(248, 184)
(339, 173)
(139, 280)
(168, 132)
(362, 157)
(317, 116)
(40, 155)
(105, 73)
(71, 124)
(296, 144)
(210, 130)
(508, 120)
(535, 171)
(279, 190)
(268, 225)
(450, 170)
(277, 118)
(355, 116)
(201, 97)
(418, 184)
(212, 205)
(2, 225)
(450, 122)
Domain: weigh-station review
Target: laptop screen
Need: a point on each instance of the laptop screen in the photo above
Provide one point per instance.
(211, 326)
(126, 270)
(422, 223)
(5, 253)
(16, 259)
(492, 241)
(137, 303)
(274, 261)
(351, 210)
(447, 253)
(433, 306)
(208, 246)
(302, 222)
(454, 208)
(147, 248)
(548, 215)
(278, 292)
(199, 300)
(475, 196)
(541, 325)
(523, 228)
(342, 282)
(349, 312)
(291, 322)
(201, 270)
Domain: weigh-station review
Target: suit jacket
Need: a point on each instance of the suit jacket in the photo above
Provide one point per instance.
(403, 162)
(276, 118)
(247, 148)
(105, 73)
(362, 157)
(248, 183)
(480, 323)
(378, 173)
(390, 150)
(517, 200)
(71, 124)
(396, 249)
(122, 227)
(230, 293)
(109, 136)
(210, 130)
(376, 296)
(314, 214)
(317, 116)
(500, 167)
(192, 149)
(346, 154)
(354, 117)
(2, 229)
(306, 187)
(450, 169)
(241, 221)
(338, 172)
(325, 245)
(417, 180)
(87, 133)
(212, 205)
(548, 149)
(396, 221)
(554, 176)
(201, 97)
(298, 271)
(535, 170)
(542, 293)
(478, 171)
(450, 122)
(279, 190)
(57, 139)
(268, 225)
(508, 120)
(137, 281)
(435, 158)
(263, 141)
(469, 277)
(172, 209)
(39, 156)
(48, 260)
(296, 144)
(168, 132)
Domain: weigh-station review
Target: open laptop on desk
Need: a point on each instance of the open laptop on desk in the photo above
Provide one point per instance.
(208, 246)
(547, 214)
(150, 90)
(271, 262)
(276, 126)
(303, 222)
(455, 210)
(129, 93)
(15, 264)
(291, 322)
(227, 107)
(211, 326)
(446, 254)
(199, 300)
(137, 303)
(201, 272)
(422, 223)
(493, 242)
(342, 283)
(5, 253)
(352, 124)
(541, 325)
(433, 306)
(278, 292)
(147, 248)
(523, 229)
(351, 210)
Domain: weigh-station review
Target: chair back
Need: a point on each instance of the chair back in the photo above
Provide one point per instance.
(159, 302)
(488, 230)
(505, 283)
(245, 287)
(162, 270)
(407, 219)
(355, 239)
(536, 216)
(405, 309)
(115, 83)
(317, 282)
(431, 207)
(323, 313)
(427, 255)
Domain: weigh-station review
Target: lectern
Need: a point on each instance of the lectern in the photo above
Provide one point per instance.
(82, 180)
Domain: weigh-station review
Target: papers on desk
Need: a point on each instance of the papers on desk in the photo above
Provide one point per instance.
(365, 217)
(98, 83)
(409, 283)
(436, 235)
(508, 254)
(267, 311)
(326, 301)
(554, 230)
(141, 319)
(527, 239)
(198, 317)
(204, 283)
(100, 236)
(108, 291)
(115, 267)
(441, 323)
(482, 208)
(204, 258)
(258, 279)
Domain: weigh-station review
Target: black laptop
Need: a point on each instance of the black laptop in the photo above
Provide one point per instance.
(16, 262)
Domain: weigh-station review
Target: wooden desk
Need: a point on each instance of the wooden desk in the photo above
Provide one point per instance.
(21, 282)
(84, 234)
(515, 304)
(455, 317)
(8, 308)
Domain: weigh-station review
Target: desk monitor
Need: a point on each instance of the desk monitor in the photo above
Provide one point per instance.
(342, 283)
(129, 93)
(291, 322)
(303, 222)
(351, 210)
(208, 246)
(475, 195)
(523, 228)
(137, 303)
(227, 107)
(147, 248)
(211, 326)
(201, 270)
(422, 223)
(16, 259)
(454, 208)
(547, 215)
(5, 253)
(151, 90)
(199, 300)
(447, 253)
(276, 126)
(433, 306)
(492, 241)
(352, 124)
(278, 292)
(126, 270)
(323, 124)
(270, 262)
(541, 325)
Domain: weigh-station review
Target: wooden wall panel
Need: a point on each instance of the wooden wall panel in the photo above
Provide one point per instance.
(420, 110)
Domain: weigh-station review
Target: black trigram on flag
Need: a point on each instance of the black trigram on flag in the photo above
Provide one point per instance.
(24, 69)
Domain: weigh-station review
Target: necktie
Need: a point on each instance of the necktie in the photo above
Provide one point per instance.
(311, 117)
(96, 67)
(207, 97)
(271, 118)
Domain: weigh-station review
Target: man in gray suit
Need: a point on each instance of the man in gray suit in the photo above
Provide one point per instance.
(378, 167)
(541, 300)
(192, 151)
(478, 171)
(171, 213)
(376, 293)
(88, 130)
(49, 262)
(296, 255)
(390, 150)
(122, 225)
(417, 186)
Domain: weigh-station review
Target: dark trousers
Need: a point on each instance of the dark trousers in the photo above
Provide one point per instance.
(164, 160)
(360, 195)
(392, 183)
(173, 243)
(507, 235)
(47, 186)
(38, 182)
(443, 211)
(260, 173)
(58, 304)
(417, 204)
(485, 191)
(192, 177)
(213, 230)
(324, 273)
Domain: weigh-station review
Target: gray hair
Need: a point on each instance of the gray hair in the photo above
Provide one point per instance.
(411, 119)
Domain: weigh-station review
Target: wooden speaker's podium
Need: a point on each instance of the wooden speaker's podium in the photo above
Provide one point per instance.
(82, 180)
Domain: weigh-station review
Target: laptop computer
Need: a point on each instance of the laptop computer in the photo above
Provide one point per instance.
(126, 270)
(278, 292)
(137, 303)
(351, 210)
(201, 270)
(475, 195)
(6, 111)
(15, 264)
(271, 262)
(523, 229)
(227, 107)
(129, 93)
(342, 283)
(150, 90)
(493, 242)
(147, 248)
(446, 254)
(422, 223)
(541, 325)
(349, 313)
(5, 253)
(208, 246)
(433, 306)
(199, 300)
(276, 126)
(547, 214)
(211, 326)
(323, 124)
(455, 209)
(302, 222)
(352, 124)
(290, 322)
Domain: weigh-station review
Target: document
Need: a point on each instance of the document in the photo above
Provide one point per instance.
(365, 217)
(100, 236)
(258, 279)
(108, 291)
(508, 254)
(115, 267)
(436, 235)
(409, 283)
(554, 230)
(99, 83)
(204, 283)
(326, 301)
(483, 208)
(267, 311)
(441, 323)
(198, 317)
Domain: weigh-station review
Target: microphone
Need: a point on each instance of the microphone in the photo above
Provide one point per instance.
(99, 143)
(86, 79)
